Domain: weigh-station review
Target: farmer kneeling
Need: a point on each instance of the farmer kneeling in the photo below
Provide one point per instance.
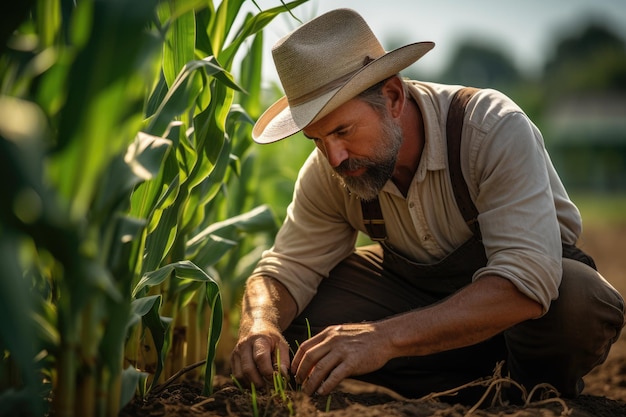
(475, 259)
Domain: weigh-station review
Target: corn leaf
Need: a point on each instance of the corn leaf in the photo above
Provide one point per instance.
(160, 241)
(259, 219)
(159, 328)
(101, 99)
(16, 330)
(251, 77)
(181, 270)
(131, 377)
(214, 300)
(222, 22)
(179, 46)
(251, 27)
(151, 197)
(213, 249)
(141, 162)
(48, 26)
(139, 308)
(180, 96)
(46, 330)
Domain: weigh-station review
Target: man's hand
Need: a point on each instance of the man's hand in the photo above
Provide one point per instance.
(338, 352)
(258, 354)
(267, 307)
(479, 311)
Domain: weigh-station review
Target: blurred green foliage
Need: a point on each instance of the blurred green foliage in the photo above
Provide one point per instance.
(120, 138)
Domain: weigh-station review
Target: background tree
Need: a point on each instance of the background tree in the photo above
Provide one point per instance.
(481, 65)
(593, 60)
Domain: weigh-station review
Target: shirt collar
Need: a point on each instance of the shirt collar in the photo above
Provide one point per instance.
(433, 155)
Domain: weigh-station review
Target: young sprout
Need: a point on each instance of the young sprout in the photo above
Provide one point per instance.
(236, 382)
(308, 328)
(280, 386)
(255, 406)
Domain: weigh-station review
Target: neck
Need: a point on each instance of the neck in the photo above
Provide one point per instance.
(412, 146)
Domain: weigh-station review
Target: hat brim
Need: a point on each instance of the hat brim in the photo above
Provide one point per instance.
(280, 120)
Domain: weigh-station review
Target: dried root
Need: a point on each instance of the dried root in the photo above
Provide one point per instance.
(496, 383)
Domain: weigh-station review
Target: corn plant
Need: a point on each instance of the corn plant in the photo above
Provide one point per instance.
(118, 133)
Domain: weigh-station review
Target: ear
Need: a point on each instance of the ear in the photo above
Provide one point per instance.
(394, 92)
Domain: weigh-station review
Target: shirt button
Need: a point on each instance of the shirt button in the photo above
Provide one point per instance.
(411, 204)
(426, 237)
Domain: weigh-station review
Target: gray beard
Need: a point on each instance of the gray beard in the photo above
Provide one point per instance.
(379, 168)
(367, 185)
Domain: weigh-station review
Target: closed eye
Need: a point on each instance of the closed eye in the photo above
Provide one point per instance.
(310, 138)
(339, 132)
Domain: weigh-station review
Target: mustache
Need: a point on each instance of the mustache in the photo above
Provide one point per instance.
(352, 164)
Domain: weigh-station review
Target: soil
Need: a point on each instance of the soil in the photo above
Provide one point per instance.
(604, 394)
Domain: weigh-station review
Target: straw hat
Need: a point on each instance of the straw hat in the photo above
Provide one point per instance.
(323, 64)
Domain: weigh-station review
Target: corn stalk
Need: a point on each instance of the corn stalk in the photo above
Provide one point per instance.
(118, 132)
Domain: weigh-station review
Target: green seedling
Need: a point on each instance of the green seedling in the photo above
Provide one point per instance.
(281, 386)
(236, 382)
(308, 329)
(253, 398)
(308, 334)
(253, 395)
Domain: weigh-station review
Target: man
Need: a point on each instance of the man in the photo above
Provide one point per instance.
(441, 299)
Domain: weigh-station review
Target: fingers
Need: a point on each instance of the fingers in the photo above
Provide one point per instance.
(281, 359)
(334, 378)
(244, 368)
(320, 363)
(318, 375)
(254, 359)
(332, 355)
(325, 375)
(262, 355)
(309, 352)
(318, 367)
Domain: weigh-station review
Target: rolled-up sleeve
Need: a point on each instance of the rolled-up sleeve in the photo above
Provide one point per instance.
(511, 182)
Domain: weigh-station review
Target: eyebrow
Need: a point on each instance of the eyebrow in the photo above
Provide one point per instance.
(335, 130)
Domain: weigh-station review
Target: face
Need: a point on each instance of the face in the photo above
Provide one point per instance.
(361, 144)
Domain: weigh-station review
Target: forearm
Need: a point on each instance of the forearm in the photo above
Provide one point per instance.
(266, 302)
(267, 309)
(479, 311)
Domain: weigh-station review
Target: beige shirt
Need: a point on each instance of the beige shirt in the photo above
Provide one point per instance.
(525, 212)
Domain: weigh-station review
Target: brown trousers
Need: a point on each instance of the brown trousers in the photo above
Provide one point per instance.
(559, 348)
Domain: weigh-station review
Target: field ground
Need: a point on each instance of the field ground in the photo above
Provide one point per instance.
(607, 245)
(604, 395)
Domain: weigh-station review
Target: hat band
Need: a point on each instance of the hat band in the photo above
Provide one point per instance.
(320, 91)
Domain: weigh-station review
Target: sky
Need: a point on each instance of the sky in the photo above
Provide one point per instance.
(525, 29)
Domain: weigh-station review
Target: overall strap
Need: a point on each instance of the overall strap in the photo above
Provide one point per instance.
(372, 213)
(454, 126)
(373, 220)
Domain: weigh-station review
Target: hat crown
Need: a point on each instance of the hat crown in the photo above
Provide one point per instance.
(313, 59)
(322, 65)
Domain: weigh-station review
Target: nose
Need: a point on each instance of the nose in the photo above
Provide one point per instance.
(335, 151)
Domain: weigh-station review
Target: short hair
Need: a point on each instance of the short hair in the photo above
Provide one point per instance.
(373, 95)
